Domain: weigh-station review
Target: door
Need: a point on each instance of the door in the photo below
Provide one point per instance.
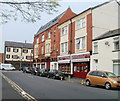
(80, 70)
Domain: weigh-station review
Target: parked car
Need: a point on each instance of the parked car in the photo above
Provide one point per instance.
(7, 67)
(102, 78)
(26, 70)
(56, 74)
(43, 72)
(33, 70)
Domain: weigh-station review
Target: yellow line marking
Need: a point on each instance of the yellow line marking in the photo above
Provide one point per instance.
(18, 89)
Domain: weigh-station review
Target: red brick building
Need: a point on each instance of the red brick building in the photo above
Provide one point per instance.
(47, 41)
(1, 57)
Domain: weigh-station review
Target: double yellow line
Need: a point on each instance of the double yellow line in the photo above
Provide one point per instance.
(18, 89)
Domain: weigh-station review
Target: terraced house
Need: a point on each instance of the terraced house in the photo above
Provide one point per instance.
(73, 45)
(19, 54)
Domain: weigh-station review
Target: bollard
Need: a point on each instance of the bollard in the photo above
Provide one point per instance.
(82, 82)
(69, 78)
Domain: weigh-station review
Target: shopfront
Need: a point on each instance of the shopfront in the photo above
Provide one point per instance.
(64, 64)
(81, 64)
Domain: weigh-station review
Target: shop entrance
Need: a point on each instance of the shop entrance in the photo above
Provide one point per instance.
(80, 70)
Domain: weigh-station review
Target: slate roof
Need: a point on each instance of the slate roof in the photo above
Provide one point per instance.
(49, 24)
(18, 44)
(108, 34)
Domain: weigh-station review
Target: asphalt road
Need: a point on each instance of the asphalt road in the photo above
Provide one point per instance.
(8, 93)
(44, 88)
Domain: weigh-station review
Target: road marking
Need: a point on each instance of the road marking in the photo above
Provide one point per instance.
(18, 89)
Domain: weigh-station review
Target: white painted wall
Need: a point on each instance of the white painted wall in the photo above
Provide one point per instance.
(105, 18)
(105, 55)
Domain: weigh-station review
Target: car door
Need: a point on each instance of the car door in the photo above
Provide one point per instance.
(101, 78)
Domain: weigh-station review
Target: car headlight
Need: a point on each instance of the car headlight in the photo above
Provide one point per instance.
(114, 81)
(57, 75)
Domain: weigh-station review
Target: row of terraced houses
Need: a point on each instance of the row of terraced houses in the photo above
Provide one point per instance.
(70, 42)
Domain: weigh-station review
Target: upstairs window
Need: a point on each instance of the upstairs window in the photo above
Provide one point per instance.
(43, 38)
(81, 23)
(8, 56)
(37, 40)
(8, 49)
(28, 57)
(48, 48)
(64, 47)
(25, 51)
(65, 30)
(15, 56)
(42, 50)
(95, 46)
(49, 35)
(80, 43)
(116, 42)
(15, 50)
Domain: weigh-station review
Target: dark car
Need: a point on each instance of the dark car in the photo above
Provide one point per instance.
(26, 70)
(56, 74)
(43, 72)
(33, 70)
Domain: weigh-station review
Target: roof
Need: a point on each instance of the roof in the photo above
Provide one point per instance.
(49, 24)
(18, 44)
(108, 34)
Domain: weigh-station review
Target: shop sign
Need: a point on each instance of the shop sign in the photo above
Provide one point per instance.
(80, 56)
(63, 58)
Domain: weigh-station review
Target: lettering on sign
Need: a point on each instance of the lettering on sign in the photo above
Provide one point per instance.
(64, 58)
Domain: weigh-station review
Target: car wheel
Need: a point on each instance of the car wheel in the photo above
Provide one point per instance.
(87, 83)
(3, 69)
(107, 85)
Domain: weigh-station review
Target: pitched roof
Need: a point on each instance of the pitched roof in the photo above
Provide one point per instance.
(49, 24)
(108, 34)
(18, 44)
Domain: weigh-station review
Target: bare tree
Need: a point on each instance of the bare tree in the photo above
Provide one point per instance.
(26, 10)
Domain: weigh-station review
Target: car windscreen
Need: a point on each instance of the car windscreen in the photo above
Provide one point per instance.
(109, 74)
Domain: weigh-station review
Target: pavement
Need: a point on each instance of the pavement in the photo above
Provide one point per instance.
(76, 80)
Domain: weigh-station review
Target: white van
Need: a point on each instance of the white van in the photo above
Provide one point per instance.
(7, 67)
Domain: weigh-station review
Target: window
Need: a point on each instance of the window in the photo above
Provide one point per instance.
(43, 38)
(116, 67)
(31, 51)
(48, 48)
(116, 42)
(101, 74)
(95, 47)
(28, 57)
(37, 41)
(15, 56)
(81, 23)
(80, 43)
(15, 50)
(42, 50)
(49, 33)
(8, 56)
(65, 30)
(64, 47)
(25, 51)
(94, 73)
(8, 49)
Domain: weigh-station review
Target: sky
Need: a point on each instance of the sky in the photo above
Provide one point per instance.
(20, 31)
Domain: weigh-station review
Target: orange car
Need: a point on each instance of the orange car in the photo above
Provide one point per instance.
(102, 78)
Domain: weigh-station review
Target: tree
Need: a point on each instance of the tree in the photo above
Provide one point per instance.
(27, 10)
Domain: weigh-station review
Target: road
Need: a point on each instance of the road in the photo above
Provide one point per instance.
(45, 88)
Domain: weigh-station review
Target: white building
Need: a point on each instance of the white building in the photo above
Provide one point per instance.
(106, 52)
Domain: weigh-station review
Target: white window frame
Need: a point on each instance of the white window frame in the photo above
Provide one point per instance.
(81, 23)
(116, 62)
(80, 43)
(48, 48)
(49, 35)
(43, 38)
(37, 40)
(95, 47)
(64, 47)
(64, 30)
(42, 50)
(116, 40)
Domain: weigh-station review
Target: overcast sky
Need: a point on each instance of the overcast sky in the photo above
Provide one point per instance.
(21, 31)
